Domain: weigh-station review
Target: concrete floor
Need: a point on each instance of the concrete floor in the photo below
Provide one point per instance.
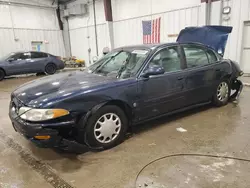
(214, 131)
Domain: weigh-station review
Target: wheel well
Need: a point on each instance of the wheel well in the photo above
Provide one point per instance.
(50, 63)
(124, 106)
(227, 77)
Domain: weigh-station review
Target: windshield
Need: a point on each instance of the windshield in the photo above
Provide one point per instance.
(122, 64)
(6, 56)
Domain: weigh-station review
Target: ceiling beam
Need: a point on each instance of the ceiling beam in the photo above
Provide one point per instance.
(108, 10)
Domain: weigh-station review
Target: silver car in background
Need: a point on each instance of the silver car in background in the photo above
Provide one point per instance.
(29, 62)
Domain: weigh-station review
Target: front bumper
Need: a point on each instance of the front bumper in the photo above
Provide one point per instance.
(30, 130)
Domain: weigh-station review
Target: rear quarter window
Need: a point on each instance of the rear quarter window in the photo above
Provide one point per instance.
(211, 56)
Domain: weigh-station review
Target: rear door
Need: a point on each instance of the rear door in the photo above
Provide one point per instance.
(37, 62)
(200, 71)
(160, 94)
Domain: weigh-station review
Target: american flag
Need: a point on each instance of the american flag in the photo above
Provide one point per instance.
(151, 31)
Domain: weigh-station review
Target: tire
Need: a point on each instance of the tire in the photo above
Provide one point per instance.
(115, 116)
(222, 98)
(2, 74)
(50, 68)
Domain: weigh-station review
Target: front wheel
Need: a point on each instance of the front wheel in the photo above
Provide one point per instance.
(222, 93)
(106, 128)
(2, 74)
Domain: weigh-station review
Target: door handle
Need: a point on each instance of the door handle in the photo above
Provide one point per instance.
(217, 70)
(180, 78)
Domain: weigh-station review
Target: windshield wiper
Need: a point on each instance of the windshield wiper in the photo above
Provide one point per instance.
(105, 62)
(123, 66)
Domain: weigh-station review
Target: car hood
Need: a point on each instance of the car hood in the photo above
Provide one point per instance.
(213, 36)
(53, 88)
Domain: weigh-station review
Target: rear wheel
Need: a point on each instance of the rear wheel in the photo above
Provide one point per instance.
(50, 68)
(2, 74)
(222, 93)
(106, 128)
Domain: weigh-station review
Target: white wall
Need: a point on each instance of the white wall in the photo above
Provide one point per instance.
(29, 23)
(175, 15)
(124, 9)
(82, 33)
(240, 12)
(127, 25)
(129, 31)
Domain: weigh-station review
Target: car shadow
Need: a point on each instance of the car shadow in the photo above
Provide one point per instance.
(152, 124)
(76, 149)
(68, 160)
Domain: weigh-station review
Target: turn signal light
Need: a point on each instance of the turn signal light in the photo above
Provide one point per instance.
(42, 137)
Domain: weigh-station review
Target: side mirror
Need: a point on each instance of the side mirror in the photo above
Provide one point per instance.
(153, 70)
(11, 59)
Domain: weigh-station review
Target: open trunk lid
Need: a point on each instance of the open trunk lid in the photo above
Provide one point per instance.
(213, 36)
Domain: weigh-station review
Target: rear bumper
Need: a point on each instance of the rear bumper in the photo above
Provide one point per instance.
(61, 65)
(238, 86)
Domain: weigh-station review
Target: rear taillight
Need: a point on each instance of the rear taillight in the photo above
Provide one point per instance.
(58, 57)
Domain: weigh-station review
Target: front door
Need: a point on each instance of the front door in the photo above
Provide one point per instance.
(37, 62)
(19, 65)
(163, 93)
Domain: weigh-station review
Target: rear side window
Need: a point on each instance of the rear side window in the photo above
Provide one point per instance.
(195, 56)
(211, 56)
(35, 55)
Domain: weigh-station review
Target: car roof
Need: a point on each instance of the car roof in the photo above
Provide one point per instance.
(154, 46)
(29, 52)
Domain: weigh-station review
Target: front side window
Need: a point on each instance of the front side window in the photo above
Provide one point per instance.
(195, 56)
(21, 56)
(168, 58)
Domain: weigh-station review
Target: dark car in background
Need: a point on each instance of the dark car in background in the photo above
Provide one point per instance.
(29, 62)
(128, 86)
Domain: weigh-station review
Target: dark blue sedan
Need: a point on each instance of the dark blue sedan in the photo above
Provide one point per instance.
(126, 87)
(29, 62)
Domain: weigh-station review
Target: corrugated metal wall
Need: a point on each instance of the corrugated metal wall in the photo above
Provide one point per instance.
(29, 23)
(127, 25)
(25, 36)
(129, 31)
(83, 39)
(82, 33)
(240, 13)
(175, 14)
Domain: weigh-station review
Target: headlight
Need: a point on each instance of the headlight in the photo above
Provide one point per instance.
(41, 114)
